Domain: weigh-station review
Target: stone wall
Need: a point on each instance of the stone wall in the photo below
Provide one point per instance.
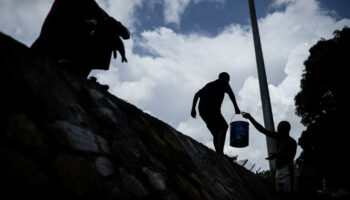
(67, 138)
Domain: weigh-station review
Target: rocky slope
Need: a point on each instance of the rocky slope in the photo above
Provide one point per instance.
(67, 138)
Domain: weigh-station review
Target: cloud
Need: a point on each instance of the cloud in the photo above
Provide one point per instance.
(178, 65)
(163, 80)
(23, 19)
(173, 9)
(278, 3)
(197, 129)
(183, 64)
(282, 100)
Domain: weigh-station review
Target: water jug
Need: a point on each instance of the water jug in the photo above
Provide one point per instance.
(239, 133)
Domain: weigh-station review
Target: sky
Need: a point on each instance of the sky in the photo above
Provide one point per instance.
(177, 46)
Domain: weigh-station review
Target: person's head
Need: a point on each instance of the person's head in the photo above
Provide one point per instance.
(224, 76)
(283, 128)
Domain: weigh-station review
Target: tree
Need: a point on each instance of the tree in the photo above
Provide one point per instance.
(323, 105)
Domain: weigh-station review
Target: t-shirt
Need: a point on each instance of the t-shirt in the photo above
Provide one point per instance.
(212, 95)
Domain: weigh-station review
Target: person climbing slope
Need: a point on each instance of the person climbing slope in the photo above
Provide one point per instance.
(211, 97)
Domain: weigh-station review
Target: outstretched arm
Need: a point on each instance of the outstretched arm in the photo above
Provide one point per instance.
(233, 99)
(259, 127)
(194, 104)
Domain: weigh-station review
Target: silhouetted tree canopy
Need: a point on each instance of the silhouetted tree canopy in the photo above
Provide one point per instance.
(323, 104)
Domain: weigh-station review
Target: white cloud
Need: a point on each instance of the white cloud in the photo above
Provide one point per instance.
(174, 9)
(282, 2)
(164, 84)
(196, 129)
(282, 99)
(184, 63)
(23, 19)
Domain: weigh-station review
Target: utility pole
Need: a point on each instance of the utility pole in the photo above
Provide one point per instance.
(264, 90)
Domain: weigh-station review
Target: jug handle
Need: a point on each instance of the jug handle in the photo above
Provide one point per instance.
(234, 115)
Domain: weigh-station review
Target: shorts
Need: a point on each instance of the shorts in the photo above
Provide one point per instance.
(215, 122)
(287, 179)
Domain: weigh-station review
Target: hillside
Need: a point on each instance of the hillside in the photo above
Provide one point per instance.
(67, 138)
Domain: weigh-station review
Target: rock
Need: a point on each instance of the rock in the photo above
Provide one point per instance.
(76, 137)
(80, 139)
(127, 154)
(76, 174)
(104, 166)
(19, 169)
(103, 145)
(118, 194)
(132, 184)
(24, 131)
(98, 146)
(156, 179)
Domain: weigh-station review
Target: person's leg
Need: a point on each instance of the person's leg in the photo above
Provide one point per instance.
(217, 133)
(211, 122)
(218, 127)
(222, 133)
(220, 137)
(216, 136)
(216, 143)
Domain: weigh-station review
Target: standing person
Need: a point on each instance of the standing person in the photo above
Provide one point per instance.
(80, 33)
(286, 174)
(211, 97)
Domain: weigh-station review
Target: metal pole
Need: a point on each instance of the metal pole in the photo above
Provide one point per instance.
(264, 90)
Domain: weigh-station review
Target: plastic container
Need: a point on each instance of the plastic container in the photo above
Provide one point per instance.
(239, 134)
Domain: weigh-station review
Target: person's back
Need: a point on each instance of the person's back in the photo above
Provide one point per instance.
(287, 149)
(212, 95)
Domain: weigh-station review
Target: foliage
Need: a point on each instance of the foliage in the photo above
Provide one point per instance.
(323, 105)
(268, 175)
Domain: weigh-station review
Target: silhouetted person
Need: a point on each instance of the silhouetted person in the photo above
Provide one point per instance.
(286, 173)
(211, 97)
(80, 33)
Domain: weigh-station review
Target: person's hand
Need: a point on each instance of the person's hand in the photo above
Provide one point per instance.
(246, 115)
(271, 156)
(238, 111)
(193, 113)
